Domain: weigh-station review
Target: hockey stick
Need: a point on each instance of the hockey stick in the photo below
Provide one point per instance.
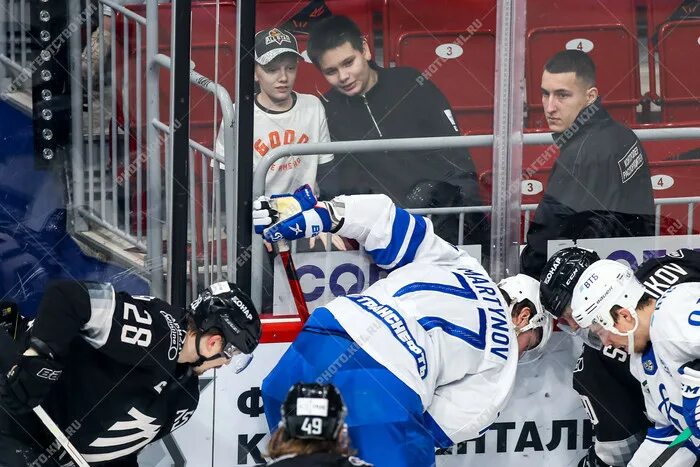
(7, 355)
(284, 252)
(58, 434)
(675, 445)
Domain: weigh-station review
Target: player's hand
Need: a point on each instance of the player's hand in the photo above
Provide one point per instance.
(690, 389)
(336, 240)
(291, 216)
(28, 383)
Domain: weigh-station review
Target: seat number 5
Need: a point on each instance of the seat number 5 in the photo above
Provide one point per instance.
(138, 335)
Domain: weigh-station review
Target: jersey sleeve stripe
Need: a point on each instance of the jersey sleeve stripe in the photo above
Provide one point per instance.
(102, 304)
(407, 234)
(477, 340)
(401, 230)
(416, 239)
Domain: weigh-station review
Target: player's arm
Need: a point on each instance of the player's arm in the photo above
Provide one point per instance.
(657, 440)
(690, 389)
(460, 411)
(391, 235)
(64, 310)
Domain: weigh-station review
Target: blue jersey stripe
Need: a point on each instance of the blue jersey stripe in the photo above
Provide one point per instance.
(398, 233)
(475, 339)
(464, 292)
(416, 239)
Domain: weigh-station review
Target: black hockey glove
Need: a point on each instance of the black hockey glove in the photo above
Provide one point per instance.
(592, 460)
(28, 383)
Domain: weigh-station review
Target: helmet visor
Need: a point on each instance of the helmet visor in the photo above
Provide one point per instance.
(239, 360)
(587, 335)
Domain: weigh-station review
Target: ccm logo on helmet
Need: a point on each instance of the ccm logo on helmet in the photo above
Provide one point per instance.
(243, 308)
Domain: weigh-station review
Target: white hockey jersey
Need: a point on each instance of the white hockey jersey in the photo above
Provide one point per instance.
(675, 340)
(437, 321)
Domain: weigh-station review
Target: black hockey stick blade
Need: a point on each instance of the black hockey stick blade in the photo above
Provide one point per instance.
(675, 445)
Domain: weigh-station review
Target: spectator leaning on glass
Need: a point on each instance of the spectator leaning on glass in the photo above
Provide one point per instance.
(370, 102)
(282, 116)
(600, 184)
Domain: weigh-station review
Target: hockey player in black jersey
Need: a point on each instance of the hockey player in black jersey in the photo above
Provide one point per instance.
(610, 394)
(312, 431)
(117, 372)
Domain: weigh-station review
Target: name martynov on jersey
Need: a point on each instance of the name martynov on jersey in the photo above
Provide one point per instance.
(437, 321)
(674, 333)
(121, 379)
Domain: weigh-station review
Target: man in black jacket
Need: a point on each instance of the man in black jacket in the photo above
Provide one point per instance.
(600, 185)
(370, 102)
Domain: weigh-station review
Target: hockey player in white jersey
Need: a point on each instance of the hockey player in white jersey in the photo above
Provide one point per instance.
(663, 339)
(425, 357)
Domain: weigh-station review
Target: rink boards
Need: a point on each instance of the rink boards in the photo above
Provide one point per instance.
(543, 422)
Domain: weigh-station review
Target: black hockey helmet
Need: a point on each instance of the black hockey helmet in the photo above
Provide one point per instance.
(560, 275)
(225, 307)
(313, 411)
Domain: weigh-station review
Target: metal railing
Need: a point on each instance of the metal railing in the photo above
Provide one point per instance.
(14, 39)
(117, 171)
(390, 145)
(99, 181)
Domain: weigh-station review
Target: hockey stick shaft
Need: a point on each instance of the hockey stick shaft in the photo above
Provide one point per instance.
(675, 445)
(283, 250)
(58, 434)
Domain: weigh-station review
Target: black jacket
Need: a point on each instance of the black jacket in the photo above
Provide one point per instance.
(600, 187)
(400, 105)
(319, 460)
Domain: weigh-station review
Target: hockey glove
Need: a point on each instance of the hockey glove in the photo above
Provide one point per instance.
(28, 383)
(690, 389)
(291, 216)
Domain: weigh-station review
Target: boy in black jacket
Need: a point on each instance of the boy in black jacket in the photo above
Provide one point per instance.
(370, 102)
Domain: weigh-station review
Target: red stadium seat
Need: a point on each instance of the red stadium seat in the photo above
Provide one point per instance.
(454, 44)
(676, 43)
(664, 150)
(607, 31)
(679, 68)
(677, 179)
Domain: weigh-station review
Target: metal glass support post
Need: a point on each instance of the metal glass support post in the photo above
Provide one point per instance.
(243, 132)
(180, 151)
(76, 102)
(154, 256)
(508, 138)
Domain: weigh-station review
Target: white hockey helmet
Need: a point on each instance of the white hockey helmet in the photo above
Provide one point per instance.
(602, 285)
(523, 287)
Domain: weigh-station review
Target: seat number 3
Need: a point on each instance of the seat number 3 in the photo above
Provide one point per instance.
(132, 334)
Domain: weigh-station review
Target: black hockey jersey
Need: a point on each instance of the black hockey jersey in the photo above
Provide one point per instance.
(319, 460)
(601, 378)
(121, 386)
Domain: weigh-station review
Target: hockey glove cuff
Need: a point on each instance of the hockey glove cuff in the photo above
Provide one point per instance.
(690, 390)
(28, 383)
